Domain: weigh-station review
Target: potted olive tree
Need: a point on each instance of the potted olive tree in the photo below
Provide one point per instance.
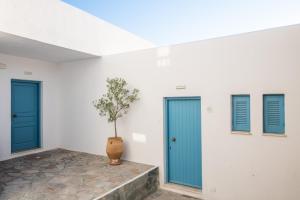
(114, 104)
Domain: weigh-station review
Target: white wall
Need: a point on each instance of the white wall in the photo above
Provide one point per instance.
(48, 74)
(235, 167)
(57, 23)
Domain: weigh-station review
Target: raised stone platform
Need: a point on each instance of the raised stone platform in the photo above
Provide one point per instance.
(62, 174)
(135, 189)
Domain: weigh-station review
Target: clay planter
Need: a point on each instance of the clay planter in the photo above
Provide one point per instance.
(114, 150)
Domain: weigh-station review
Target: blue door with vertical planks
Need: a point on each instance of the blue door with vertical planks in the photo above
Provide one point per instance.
(25, 100)
(183, 134)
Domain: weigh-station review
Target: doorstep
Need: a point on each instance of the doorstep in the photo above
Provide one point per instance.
(184, 190)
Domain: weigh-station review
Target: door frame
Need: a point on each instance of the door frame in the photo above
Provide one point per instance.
(166, 133)
(38, 83)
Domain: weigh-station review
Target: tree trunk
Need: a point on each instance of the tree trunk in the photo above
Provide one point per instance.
(115, 123)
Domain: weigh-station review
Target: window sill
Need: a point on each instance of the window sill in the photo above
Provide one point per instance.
(274, 134)
(240, 133)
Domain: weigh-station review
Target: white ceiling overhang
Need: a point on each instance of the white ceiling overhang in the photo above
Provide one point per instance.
(24, 47)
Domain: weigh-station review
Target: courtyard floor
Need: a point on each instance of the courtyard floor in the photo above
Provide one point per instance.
(166, 195)
(62, 174)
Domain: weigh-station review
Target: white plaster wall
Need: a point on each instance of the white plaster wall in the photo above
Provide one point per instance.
(57, 23)
(48, 74)
(235, 167)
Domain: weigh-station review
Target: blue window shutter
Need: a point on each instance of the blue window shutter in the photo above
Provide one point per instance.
(241, 113)
(274, 114)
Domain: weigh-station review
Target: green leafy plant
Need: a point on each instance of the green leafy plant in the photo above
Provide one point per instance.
(116, 102)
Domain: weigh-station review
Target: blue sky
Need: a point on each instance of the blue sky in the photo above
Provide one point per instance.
(166, 22)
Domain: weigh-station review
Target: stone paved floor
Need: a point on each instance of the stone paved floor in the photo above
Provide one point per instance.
(166, 195)
(61, 174)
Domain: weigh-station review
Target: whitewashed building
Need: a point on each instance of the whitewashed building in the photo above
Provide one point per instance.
(72, 53)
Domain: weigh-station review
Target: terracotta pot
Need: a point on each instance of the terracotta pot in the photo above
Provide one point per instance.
(114, 150)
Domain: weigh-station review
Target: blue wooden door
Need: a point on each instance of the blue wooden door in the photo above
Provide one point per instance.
(184, 141)
(25, 102)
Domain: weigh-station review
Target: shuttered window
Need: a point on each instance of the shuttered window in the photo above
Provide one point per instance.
(274, 113)
(241, 113)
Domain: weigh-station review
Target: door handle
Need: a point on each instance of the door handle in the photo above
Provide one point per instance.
(173, 139)
(14, 115)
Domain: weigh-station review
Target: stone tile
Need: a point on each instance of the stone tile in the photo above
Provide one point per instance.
(62, 174)
(166, 195)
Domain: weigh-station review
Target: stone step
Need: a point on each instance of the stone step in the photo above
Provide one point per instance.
(137, 188)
